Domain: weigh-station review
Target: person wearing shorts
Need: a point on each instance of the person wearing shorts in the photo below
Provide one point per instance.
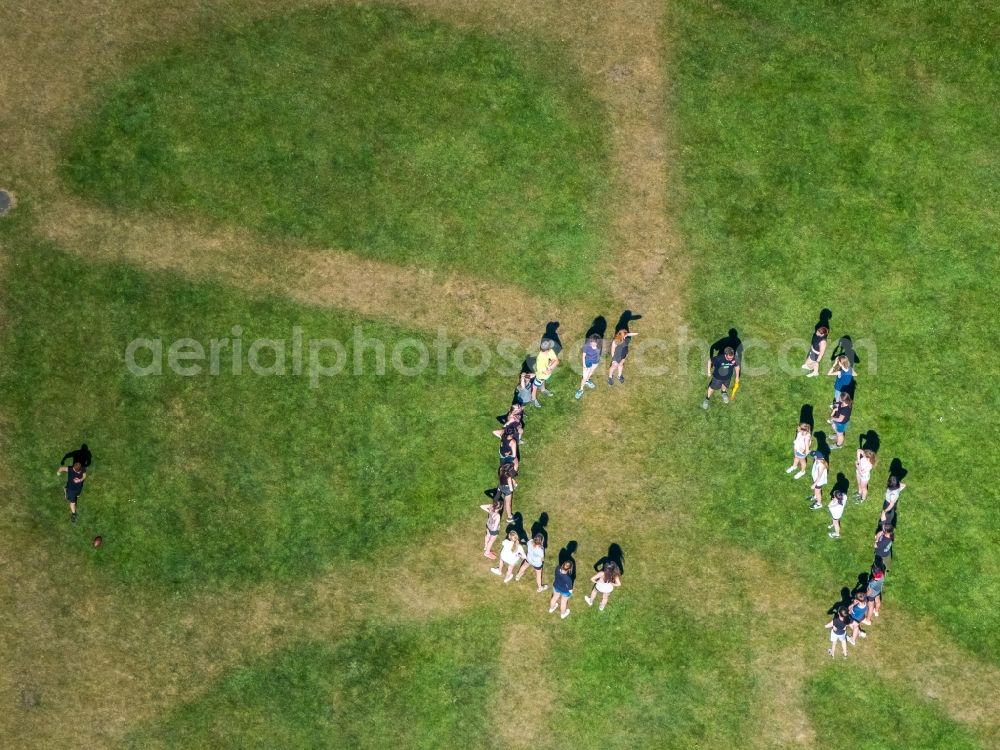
(892, 489)
(841, 418)
(545, 364)
(562, 589)
(883, 547)
(859, 613)
(535, 558)
(75, 477)
(838, 631)
(874, 595)
(863, 464)
(837, 502)
(721, 370)
(619, 353)
(492, 527)
(816, 350)
(801, 446)
(511, 553)
(844, 371)
(591, 359)
(819, 476)
(505, 488)
(605, 581)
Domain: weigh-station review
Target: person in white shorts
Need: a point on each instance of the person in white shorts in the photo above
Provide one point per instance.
(511, 553)
(800, 450)
(819, 477)
(605, 581)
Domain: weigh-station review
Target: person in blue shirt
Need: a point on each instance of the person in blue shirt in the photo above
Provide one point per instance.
(844, 371)
(562, 589)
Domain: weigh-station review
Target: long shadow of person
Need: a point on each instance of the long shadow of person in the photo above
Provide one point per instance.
(614, 555)
(566, 554)
(730, 339)
(841, 484)
(517, 524)
(806, 416)
(845, 346)
(599, 328)
(538, 527)
(624, 319)
(869, 441)
(845, 601)
(896, 469)
(824, 318)
(552, 334)
(862, 584)
(822, 445)
(81, 455)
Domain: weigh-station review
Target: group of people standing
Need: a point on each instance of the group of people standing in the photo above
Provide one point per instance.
(520, 553)
(845, 625)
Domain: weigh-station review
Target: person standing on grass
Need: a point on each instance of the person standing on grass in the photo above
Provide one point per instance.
(505, 487)
(508, 445)
(819, 476)
(837, 501)
(841, 418)
(619, 352)
(511, 553)
(892, 489)
(721, 370)
(859, 613)
(874, 595)
(591, 359)
(838, 631)
(545, 364)
(562, 589)
(816, 350)
(534, 557)
(492, 527)
(523, 390)
(515, 417)
(75, 477)
(605, 581)
(844, 371)
(863, 465)
(800, 451)
(883, 547)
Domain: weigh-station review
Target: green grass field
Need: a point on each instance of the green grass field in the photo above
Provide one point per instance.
(296, 566)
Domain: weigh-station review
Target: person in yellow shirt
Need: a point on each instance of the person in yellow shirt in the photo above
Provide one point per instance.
(545, 364)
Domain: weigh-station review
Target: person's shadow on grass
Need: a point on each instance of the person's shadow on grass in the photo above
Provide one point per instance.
(566, 555)
(538, 527)
(869, 441)
(615, 555)
(517, 524)
(806, 416)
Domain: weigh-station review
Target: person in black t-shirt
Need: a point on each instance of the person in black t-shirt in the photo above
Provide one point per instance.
(817, 347)
(841, 418)
(721, 369)
(75, 475)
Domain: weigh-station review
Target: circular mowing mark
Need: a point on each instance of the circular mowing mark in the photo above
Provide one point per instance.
(7, 202)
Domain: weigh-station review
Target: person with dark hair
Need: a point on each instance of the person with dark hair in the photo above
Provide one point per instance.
(836, 506)
(562, 589)
(816, 349)
(515, 417)
(721, 370)
(535, 558)
(605, 581)
(81, 455)
(841, 418)
(75, 477)
(838, 631)
(506, 484)
(859, 613)
(619, 352)
(508, 444)
(874, 594)
(892, 489)
(592, 349)
(883, 547)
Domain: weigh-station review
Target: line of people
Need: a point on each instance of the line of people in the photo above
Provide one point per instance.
(518, 553)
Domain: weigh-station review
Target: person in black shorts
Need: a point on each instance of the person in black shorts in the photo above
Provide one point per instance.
(75, 476)
(721, 369)
(817, 348)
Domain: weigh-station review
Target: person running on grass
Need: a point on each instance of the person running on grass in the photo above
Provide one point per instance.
(819, 478)
(836, 506)
(591, 359)
(859, 614)
(605, 581)
(844, 371)
(492, 527)
(562, 589)
(874, 595)
(816, 350)
(506, 484)
(511, 553)
(800, 450)
(721, 370)
(545, 364)
(619, 352)
(535, 558)
(863, 464)
(75, 477)
(892, 489)
(838, 631)
(841, 418)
